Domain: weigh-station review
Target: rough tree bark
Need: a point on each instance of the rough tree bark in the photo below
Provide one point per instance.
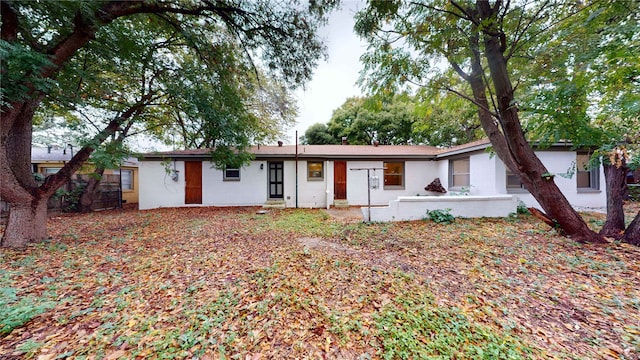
(504, 129)
(632, 233)
(28, 212)
(88, 194)
(22, 227)
(615, 177)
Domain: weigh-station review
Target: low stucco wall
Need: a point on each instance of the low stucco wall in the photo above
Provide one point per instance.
(415, 207)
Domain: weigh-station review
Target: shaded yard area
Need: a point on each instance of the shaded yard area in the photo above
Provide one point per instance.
(214, 283)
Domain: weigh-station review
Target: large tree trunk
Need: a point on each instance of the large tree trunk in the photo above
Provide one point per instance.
(27, 222)
(615, 177)
(88, 195)
(632, 233)
(27, 215)
(511, 144)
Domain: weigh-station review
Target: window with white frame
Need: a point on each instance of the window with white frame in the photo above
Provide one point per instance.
(50, 170)
(315, 170)
(587, 176)
(394, 175)
(126, 179)
(231, 174)
(459, 173)
(513, 182)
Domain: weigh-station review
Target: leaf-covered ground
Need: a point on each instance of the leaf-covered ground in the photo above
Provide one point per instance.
(214, 283)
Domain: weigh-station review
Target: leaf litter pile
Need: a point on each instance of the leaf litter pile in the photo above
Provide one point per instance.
(209, 283)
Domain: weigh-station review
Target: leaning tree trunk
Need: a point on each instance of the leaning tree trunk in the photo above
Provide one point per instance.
(505, 131)
(512, 145)
(615, 177)
(89, 192)
(632, 233)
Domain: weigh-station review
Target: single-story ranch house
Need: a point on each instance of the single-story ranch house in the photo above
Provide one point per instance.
(321, 176)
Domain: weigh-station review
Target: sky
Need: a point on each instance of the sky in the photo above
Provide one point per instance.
(334, 80)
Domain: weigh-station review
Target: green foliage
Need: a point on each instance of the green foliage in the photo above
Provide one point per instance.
(215, 74)
(577, 79)
(584, 78)
(29, 348)
(445, 118)
(363, 120)
(572, 79)
(634, 193)
(18, 70)
(522, 208)
(318, 134)
(71, 199)
(441, 216)
(306, 223)
(414, 327)
(16, 311)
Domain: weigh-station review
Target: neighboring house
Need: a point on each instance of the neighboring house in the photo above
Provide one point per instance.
(51, 159)
(335, 175)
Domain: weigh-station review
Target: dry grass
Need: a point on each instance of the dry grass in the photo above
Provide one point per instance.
(213, 283)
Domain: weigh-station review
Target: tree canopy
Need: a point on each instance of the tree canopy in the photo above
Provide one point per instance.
(59, 52)
(492, 47)
(431, 117)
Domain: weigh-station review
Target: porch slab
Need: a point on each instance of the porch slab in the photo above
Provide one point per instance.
(415, 207)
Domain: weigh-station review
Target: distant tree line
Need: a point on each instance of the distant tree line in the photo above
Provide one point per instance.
(429, 118)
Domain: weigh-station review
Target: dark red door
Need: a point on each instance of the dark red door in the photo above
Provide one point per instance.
(193, 180)
(340, 180)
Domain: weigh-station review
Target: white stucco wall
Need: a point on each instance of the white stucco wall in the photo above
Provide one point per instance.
(416, 207)
(156, 187)
(312, 193)
(560, 162)
(158, 190)
(482, 177)
(487, 178)
(417, 175)
(251, 189)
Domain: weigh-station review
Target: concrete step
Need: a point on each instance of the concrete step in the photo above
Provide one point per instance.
(274, 204)
(340, 204)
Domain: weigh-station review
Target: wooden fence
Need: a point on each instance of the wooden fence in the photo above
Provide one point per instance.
(106, 197)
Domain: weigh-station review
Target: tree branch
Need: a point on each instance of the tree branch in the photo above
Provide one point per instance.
(472, 100)
(58, 179)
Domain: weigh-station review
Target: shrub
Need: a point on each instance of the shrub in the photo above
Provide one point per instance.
(634, 193)
(441, 216)
(522, 208)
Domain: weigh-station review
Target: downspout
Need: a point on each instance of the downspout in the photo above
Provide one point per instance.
(326, 184)
(296, 169)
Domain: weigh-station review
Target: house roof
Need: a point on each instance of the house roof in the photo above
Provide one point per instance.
(356, 152)
(53, 154)
(417, 152)
(316, 151)
(464, 148)
(57, 155)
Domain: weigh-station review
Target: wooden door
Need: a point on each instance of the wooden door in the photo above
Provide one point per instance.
(193, 180)
(340, 180)
(276, 180)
